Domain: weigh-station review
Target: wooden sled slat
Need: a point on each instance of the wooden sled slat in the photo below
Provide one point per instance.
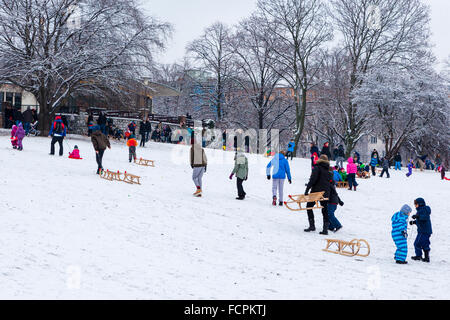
(145, 162)
(131, 178)
(348, 248)
(342, 184)
(299, 199)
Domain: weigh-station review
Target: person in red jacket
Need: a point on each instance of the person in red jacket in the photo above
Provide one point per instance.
(132, 144)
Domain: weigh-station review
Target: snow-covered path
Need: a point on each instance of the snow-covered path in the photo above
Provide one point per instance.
(61, 226)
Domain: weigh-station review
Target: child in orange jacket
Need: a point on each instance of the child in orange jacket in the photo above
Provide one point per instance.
(132, 144)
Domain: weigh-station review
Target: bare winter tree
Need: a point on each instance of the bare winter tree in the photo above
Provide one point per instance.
(300, 28)
(376, 33)
(213, 53)
(403, 106)
(257, 75)
(55, 48)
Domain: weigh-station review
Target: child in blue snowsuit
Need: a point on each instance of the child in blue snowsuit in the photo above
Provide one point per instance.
(424, 231)
(399, 233)
(336, 176)
(290, 150)
(281, 169)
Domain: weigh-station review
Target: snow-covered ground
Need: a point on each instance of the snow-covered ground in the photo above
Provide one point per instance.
(67, 234)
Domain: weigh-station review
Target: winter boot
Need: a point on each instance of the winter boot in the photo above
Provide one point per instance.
(427, 256)
(325, 229)
(401, 262)
(198, 193)
(274, 202)
(311, 226)
(280, 203)
(416, 258)
(354, 188)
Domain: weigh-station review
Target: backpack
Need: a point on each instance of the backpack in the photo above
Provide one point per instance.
(58, 128)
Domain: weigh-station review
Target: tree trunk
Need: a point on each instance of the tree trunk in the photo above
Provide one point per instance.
(300, 114)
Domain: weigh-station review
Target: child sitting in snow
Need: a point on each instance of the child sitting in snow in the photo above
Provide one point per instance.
(132, 144)
(399, 233)
(75, 154)
(424, 230)
(343, 175)
(336, 176)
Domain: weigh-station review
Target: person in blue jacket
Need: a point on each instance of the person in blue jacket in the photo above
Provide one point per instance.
(290, 149)
(280, 171)
(336, 176)
(424, 230)
(57, 132)
(400, 234)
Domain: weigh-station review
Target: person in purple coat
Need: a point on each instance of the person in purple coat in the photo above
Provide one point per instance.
(20, 134)
(410, 167)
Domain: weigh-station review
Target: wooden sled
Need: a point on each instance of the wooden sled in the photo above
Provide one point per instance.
(363, 175)
(131, 178)
(352, 248)
(299, 199)
(145, 163)
(111, 176)
(342, 184)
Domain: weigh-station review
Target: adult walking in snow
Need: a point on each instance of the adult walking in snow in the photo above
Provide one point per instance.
(398, 161)
(281, 169)
(199, 163)
(100, 143)
(320, 181)
(57, 132)
(373, 163)
(340, 157)
(421, 161)
(241, 172)
(27, 120)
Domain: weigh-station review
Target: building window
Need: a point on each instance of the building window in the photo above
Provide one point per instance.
(9, 97)
(18, 100)
(373, 140)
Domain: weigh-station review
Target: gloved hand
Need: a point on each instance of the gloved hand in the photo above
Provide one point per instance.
(412, 223)
(290, 181)
(205, 169)
(341, 203)
(405, 234)
(245, 178)
(231, 176)
(268, 177)
(306, 192)
(415, 216)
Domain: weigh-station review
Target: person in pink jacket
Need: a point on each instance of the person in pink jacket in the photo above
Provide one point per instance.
(352, 169)
(75, 154)
(13, 136)
(20, 134)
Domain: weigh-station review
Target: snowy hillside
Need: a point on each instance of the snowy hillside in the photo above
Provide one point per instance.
(67, 234)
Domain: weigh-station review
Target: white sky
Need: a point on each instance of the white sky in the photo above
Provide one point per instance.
(191, 17)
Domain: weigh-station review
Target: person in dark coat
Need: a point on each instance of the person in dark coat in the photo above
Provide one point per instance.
(101, 121)
(326, 150)
(341, 157)
(57, 132)
(320, 181)
(386, 166)
(335, 153)
(27, 120)
(424, 230)
(143, 133)
(100, 142)
(398, 162)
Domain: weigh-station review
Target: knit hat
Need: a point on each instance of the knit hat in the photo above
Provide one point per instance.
(406, 209)
(76, 147)
(420, 202)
